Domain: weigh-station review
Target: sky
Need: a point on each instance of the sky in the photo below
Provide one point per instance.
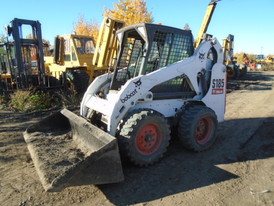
(250, 21)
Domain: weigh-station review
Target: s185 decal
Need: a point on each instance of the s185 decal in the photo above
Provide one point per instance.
(218, 86)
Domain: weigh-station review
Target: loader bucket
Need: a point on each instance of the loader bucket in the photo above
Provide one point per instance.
(69, 151)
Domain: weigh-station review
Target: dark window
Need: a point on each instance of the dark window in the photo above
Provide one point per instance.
(131, 57)
(74, 58)
(67, 57)
(178, 87)
(84, 45)
(168, 48)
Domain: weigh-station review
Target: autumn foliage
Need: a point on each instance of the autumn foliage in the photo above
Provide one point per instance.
(245, 58)
(129, 11)
(89, 28)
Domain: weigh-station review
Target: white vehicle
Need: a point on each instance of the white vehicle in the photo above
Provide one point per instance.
(159, 82)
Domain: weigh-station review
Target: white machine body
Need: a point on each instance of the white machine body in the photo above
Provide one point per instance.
(136, 92)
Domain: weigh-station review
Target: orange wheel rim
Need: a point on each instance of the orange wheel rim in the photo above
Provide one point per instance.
(149, 139)
(204, 130)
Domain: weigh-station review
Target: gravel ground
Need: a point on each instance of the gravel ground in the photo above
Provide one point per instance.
(237, 170)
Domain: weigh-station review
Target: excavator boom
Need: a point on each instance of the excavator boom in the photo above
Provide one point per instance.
(207, 18)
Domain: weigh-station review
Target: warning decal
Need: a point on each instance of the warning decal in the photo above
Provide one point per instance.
(217, 91)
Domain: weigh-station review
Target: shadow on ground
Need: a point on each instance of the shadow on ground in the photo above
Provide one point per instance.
(251, 81)
(181, 170)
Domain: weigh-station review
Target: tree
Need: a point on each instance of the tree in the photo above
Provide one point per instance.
(245, 58)
(89, 28)
(29, 36)
(2, 40)
(130, 11)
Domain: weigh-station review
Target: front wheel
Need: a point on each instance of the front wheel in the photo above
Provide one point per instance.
(197, 128)
(145, 136)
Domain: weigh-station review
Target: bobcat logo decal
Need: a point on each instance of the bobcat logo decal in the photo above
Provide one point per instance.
(138, 83)
(201, 55)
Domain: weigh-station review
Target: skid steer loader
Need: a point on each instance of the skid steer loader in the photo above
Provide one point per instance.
(160, 82)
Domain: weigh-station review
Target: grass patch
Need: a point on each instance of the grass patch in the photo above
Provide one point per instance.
(28, 101)
(4, 99)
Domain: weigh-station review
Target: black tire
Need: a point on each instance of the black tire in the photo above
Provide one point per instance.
(77, 81)
(3, 87)
(52, 81)
(243, 70)
(197, 128)
(233, 71)
(32, 80)
(144, 136)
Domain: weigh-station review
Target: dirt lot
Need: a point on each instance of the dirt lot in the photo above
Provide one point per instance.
(237, 170)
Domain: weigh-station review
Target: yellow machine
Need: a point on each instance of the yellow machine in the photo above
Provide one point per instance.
(234, 69)
(71, 52)
(207, 18)
(269, 61)
(78, 56)
(76, 60)
(228, 46)
(106, 46)
(4, 66)
(263, 62)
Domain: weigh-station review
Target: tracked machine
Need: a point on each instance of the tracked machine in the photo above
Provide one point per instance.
(160, 82)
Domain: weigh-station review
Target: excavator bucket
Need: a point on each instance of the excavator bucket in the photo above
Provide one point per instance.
(69, 151)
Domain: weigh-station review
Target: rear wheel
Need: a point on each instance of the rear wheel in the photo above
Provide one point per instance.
(77, 81)
(197, 128)
(243, 70)
(145, 136)
(233, 71)
(52, 81)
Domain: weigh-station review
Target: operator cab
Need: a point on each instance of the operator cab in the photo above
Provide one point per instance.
(147, 47)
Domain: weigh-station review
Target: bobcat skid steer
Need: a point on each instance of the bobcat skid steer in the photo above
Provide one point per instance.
(159, 82)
